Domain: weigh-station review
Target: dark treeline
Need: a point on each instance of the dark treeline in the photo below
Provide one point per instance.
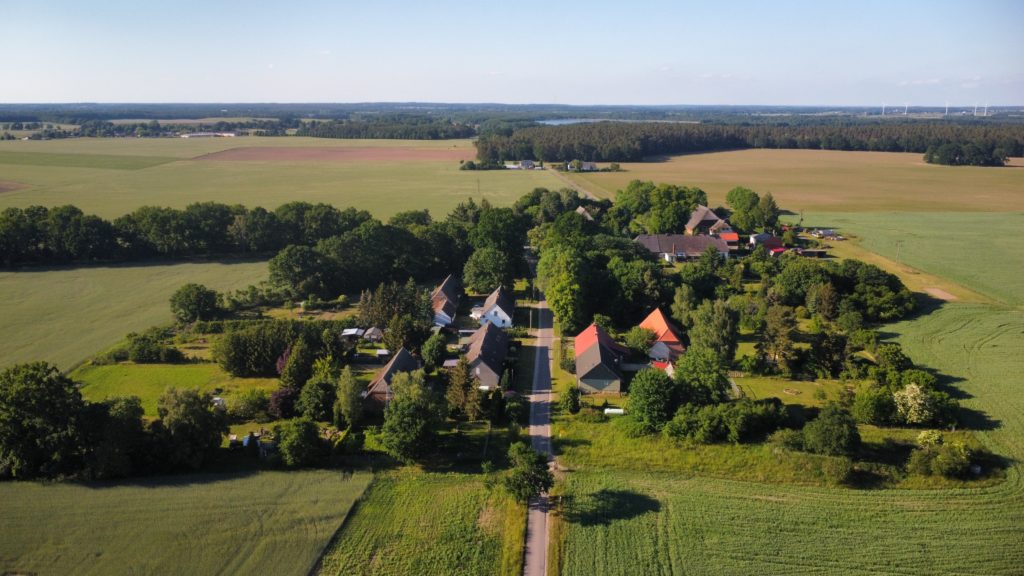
(980, 153)
(621, 141)
(390, 127)
(64, 234)
(320, 250)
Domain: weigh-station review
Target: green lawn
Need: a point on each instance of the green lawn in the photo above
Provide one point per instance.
(414, 522)
(265, 523)
(149, 381)
(65, 315)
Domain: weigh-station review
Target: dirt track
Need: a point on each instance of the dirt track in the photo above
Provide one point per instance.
(336, 154)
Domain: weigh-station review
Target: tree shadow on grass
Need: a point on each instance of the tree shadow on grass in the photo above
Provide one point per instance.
(606, 506)
(972, 419)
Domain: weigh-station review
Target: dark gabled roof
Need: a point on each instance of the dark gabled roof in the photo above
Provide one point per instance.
(594, 347)
(595, 356)
(489, 344)
(702, 214)
(680, 243)
(403, 361)
(501, 298)
(445, 297)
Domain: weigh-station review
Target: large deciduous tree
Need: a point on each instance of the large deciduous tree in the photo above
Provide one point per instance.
(652, 398)
(194, 302)
(40, 428)
(715, 328)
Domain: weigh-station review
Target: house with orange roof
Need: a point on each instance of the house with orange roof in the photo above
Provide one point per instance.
(668, 342)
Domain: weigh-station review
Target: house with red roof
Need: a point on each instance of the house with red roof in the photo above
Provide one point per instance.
(598, 361)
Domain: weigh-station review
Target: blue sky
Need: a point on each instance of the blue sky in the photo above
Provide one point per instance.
(566, 52)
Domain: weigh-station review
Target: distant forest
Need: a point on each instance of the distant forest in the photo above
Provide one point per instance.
(397, 127)
(590, 133)
(625, 141)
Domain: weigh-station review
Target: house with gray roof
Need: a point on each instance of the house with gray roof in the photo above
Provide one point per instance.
(488, 347)
(679, 247)
(379, 393)
(497, 309)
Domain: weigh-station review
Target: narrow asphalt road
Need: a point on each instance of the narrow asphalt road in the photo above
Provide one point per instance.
(536, 553)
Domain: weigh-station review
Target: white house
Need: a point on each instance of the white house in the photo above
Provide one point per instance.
(445, 301)
(497, 309)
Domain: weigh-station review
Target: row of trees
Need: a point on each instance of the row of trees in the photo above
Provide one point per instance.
(48, 431)
(66, 234)
(976, 153)
(624, 141)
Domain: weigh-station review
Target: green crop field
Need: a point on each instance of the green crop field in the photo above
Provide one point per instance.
(979, 250)
(829, 180)
(65, 315)
(52, 175)
(628, 522)
(148, 381)
(266, 523)
(412, 522)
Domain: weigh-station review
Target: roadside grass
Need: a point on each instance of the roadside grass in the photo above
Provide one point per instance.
(149, 381)
(827, 180)
(64, 315)
(267, 522)
(979, 251)
(415, 522)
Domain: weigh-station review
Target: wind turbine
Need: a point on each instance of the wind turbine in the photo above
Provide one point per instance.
(905, 107)
(883, 108)
(947, 109)
(986, 109)
(975, 108)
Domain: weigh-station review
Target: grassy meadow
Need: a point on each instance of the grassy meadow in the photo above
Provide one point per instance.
(829, 180)
(112, 176)
(149, 381)
(268, 523)
(64, 315)
(414, 522)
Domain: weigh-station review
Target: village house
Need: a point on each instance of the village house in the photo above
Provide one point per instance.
(497, 309)
(769, 241)
(703, 220)
(445, 301)
(378, 394)
(677, 247)
(598, 361)
(583, 212)
(668, 344)
(488, 347)
(373, 334)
